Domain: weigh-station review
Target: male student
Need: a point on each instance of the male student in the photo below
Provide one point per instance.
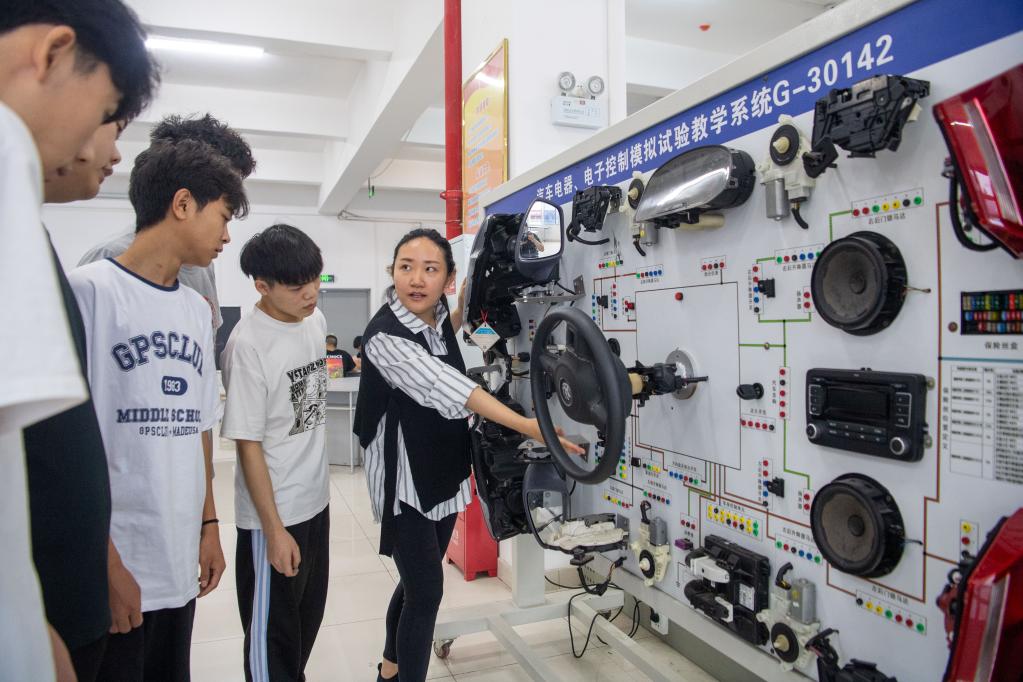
(276, 377)
(68, 484)
(153, 380)
(225, 140)
(65, 68)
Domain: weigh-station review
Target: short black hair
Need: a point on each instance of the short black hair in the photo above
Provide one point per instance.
(208, 129)
(164, 168)
(331, 339)
(282, 254)
(107, 32)
(357, 342)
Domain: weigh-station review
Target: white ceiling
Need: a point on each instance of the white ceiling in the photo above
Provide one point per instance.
(736, 26)
(347, 90)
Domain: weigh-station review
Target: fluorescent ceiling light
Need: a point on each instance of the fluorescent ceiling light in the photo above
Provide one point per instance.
(203, 47)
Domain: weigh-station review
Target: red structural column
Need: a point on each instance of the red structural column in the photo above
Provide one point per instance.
(452, 195)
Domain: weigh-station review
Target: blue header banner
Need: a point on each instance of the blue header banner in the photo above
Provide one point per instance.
(916, 36)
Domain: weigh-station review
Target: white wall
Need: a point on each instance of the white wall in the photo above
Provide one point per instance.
(356, 253)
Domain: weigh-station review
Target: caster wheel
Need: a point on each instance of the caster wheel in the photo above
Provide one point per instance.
(442, 647)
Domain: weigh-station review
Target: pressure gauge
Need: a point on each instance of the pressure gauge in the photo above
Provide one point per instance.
(595, 85)
(566, 81)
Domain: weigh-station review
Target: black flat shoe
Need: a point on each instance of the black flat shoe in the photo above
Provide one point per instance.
(381, 678)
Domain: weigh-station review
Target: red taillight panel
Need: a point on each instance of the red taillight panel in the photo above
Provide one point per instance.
(983, 127)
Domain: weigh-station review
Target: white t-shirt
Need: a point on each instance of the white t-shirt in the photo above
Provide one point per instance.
(154, 384)
(276, 378)
(40, 378)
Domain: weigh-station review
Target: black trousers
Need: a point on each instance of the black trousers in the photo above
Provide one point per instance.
(282, 615)
(419, 547)
(87, 659)
(158, 650)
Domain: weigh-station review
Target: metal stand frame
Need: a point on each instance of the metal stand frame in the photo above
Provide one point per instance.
(530, 604)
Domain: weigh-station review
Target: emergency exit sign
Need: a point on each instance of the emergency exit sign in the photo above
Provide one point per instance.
(326, 279)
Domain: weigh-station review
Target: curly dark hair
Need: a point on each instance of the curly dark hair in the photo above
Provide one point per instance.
(208, 129)
(165, 167)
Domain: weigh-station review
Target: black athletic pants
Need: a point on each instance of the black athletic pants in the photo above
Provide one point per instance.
(158, 650)
(282, 615)
(87, 659)
(419, 547)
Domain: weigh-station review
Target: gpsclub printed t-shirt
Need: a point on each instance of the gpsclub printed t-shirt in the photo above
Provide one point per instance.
(275, 374)
(154, 386)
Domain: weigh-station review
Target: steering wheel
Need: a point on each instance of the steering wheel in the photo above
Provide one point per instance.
(592, 386)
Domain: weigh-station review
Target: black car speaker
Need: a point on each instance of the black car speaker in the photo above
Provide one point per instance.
(857, 526)
(859, 283)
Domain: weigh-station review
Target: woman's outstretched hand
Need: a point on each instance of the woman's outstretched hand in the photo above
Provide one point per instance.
(569, 446)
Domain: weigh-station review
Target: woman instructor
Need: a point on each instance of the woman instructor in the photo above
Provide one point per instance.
(414, 399)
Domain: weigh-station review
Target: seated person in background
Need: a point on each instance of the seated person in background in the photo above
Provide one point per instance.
(357, 345)
(347, 362)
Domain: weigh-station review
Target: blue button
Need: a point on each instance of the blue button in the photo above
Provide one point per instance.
(809, 256)
(802, 256)
(756, 299)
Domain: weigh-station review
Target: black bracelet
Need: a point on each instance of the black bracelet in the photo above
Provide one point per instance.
(210, 521)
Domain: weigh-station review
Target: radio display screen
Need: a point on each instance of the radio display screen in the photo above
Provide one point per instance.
(856, 404)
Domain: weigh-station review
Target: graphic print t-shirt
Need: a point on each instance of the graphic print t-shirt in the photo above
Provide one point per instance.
(275, 374)
(154, 386)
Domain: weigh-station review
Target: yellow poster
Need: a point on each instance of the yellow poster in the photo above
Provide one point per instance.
(484, 134)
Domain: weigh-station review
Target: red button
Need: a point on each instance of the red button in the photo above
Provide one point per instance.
(806, 294)
(781, 414)
(806, 305)
(756, 268)
(786, 259)
(856, 211)
(678, 295)
(703, 267)
(781, 393)
(781, 371)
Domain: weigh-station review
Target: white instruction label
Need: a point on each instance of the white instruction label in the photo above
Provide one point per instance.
(485, 337)
(746, 594)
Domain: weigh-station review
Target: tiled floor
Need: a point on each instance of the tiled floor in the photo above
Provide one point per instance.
(352, 635)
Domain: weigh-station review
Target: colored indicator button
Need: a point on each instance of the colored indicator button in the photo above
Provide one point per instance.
(777, 544)
(756, 268)
(806, 507)
(888, 614)
(876, 208)
(905, 203)
(810, 256)
(756, 299)
(817, 559)
(703, 267)
(781, 414)
(884, 206)
(898, 618)
(678, 296)
(779, 259)
(879, 609)
(696, 481)
(806, 304)
(787, 259)
(856, 212)
(909, 622)
(918, 200)
(802, 256)
(919, 627)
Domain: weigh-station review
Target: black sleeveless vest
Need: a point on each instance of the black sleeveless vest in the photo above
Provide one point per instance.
(438, 448)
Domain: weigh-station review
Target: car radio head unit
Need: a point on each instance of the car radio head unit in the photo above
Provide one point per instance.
(873, 413)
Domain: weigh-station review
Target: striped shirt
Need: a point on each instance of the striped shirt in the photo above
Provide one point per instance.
(429, 381)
